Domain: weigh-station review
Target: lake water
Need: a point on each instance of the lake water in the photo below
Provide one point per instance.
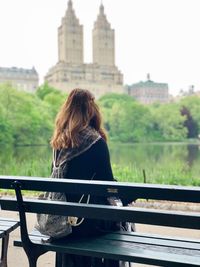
(167, 160)
(155, 153)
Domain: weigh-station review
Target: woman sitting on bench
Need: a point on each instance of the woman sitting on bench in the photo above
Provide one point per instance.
(79, 142)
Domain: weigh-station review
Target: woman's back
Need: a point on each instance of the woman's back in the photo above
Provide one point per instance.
(95, 162)
(79, 141)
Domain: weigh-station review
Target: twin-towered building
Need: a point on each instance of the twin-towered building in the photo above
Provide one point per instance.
(100, 76)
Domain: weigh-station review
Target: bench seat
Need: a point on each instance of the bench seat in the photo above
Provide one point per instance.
(6, 227)
(132, 247)
(151, 249)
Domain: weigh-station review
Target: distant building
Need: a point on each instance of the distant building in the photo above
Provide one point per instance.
(149, 92)
(101, 76)
(189, 92)
(22, 79)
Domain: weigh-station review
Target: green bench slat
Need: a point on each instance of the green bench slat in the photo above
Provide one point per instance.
(2, 219)
(131, 214)
(187, 244)
(157, 236)
(8, 228)
(131, 191)
(123, 250)
(8, 225)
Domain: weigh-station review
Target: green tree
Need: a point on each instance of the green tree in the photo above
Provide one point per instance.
(192, 103)
(126, 120)
(168, 122)
(108, 100)
(106, 103)
(26, 116)
(46, 89)
(54, 101)
(6, 132)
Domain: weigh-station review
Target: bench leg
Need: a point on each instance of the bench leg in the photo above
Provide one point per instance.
(33, 257)
(32, 262)
(33, 252)
(4, 251)
(59, 257)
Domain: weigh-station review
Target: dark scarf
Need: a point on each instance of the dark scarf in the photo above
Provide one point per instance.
(88, 137)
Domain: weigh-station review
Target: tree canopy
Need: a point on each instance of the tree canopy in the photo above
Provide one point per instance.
(28, 118)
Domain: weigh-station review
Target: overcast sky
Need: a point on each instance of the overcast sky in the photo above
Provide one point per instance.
(160, 37)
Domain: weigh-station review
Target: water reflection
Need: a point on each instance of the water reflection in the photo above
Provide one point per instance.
(192, 155)
(141, 156)
(158, 158)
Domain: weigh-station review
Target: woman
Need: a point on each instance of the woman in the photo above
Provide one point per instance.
(79, 142)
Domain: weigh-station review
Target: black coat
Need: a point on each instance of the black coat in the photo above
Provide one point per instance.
(92, 164)
(95, 162)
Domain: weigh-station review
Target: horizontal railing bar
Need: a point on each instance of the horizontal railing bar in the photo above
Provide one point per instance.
(131, 191)
(92, 211)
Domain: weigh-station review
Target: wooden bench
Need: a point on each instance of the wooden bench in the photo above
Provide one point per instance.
(6, 227)
(135, 247)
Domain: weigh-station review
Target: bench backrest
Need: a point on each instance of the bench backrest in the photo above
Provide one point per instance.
(126, 191)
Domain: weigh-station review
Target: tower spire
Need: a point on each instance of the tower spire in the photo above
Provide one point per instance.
(104, 51)
(70, 38)
(70, 10)
(70, 4)
(101, 9)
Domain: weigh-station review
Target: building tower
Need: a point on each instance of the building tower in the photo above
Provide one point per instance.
(103, 41)
(70, 38)
(101, 76)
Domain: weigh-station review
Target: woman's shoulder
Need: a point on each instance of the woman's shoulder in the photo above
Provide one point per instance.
(100, 147)
(100, 143)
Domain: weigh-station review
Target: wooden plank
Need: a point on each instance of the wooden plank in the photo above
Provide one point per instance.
(131, 191)
(2, 219)
(163, 242)
(131, 214)
(157, 236)
(147, 236)
(8, 228)
(153, 241)
(126, 251)
(8, 223)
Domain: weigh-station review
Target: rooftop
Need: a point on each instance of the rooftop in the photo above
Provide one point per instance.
(18, 70)
(148, 84)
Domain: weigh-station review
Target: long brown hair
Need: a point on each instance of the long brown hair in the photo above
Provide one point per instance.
(78, 111)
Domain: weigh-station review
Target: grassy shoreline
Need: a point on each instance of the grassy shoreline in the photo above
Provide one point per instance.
(164, 163)
(178, 175)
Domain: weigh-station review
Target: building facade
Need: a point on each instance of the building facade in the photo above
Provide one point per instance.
(102, 75)
(149, 92)
(19, 78)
